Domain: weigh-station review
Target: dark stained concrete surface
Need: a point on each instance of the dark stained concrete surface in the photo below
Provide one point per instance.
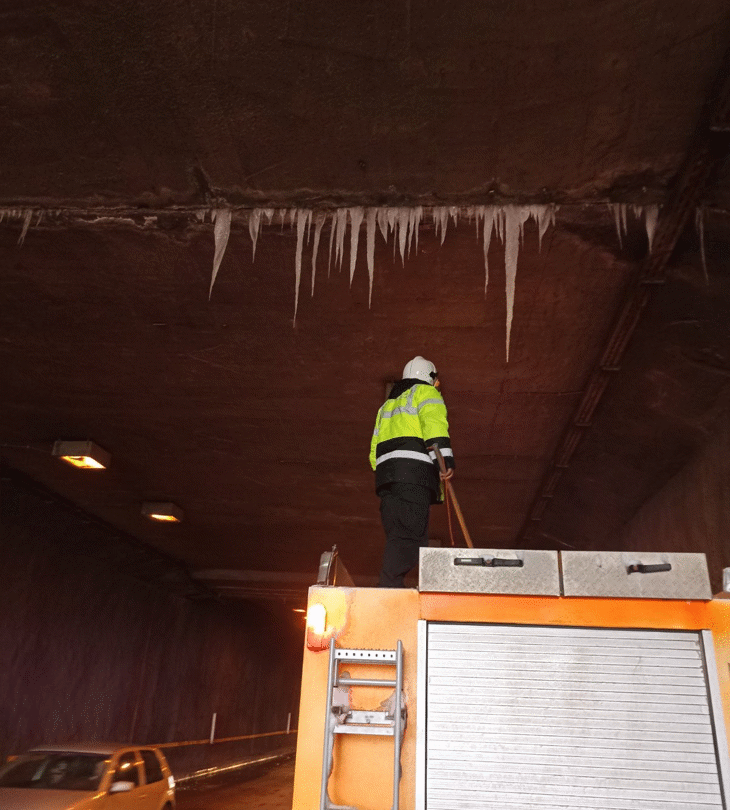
(693, 509)
(662, 411)
(125, 101)
(272, 790)
(96, 647)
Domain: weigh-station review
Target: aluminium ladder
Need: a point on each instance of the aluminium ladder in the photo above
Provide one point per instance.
(341, 719)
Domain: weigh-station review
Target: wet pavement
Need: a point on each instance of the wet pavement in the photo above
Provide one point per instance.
(271, 790)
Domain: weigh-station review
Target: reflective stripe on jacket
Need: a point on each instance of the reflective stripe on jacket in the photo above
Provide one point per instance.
(412, 419)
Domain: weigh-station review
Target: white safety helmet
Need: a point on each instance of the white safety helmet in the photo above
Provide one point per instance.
(420, 369)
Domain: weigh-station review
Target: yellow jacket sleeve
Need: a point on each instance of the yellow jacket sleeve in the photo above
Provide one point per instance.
(374, 441)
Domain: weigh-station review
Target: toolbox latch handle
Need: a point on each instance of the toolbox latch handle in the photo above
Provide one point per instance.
(640, 568)
(488, 562)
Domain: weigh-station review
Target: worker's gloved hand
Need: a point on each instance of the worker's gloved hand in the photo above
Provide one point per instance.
(447, 475)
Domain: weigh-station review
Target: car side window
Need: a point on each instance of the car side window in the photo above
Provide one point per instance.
(152, 769)
(127, 770)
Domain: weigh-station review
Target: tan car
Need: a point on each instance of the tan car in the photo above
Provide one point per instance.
(88, 777)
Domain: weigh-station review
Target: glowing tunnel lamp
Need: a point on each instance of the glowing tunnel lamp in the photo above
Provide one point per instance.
(162, 512)
(84, 455)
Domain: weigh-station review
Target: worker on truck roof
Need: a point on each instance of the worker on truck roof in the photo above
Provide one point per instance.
(412, 419)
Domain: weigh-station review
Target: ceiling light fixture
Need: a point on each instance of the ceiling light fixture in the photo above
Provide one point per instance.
(163, 512)
(85, 455)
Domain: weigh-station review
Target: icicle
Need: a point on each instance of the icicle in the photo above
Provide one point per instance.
(340, 238)
(440, 221)
(499, 223)
(318, 223)
(411, 228)
(333, 215)
(651, 215)
(623, 210)
(254, 225)
(282, 215)
(402, 225)
(472, 212)
(478, 219)
(436, 222)
(638, 212)
(489, 213)
(356, 217)
(392, 215)
(543, 215)
(200, 215)
(514, 218)
(617, 221)
(382, 219)
(370, 222)
(417, 217)
(454, 214)
(26, 225)
(302, 217)
(700, 225)
(221, 231)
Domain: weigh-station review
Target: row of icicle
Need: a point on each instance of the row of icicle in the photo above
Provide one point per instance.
(403, 223)
(507, 222)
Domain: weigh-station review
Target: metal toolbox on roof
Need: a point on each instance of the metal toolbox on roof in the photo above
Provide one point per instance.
(489, 570)
(635, 575)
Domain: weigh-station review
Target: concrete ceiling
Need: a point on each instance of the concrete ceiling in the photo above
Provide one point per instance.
(124, 123)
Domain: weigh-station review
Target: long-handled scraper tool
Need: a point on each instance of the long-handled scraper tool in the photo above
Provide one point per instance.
(450, 497)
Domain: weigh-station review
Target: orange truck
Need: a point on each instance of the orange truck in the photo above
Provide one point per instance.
(518, 680)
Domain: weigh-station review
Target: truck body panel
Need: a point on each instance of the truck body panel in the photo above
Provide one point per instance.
(374, 618)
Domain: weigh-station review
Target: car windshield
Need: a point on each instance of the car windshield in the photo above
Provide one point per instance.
(57, 770)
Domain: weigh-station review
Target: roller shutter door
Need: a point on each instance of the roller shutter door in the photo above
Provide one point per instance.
(545, 718)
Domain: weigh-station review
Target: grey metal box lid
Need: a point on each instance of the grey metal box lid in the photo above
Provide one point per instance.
(636, 575)
(501, 571)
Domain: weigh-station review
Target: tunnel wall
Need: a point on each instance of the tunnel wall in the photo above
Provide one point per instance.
(92, 651)
(692, 511)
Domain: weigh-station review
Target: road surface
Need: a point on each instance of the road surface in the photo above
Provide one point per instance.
(271, 791)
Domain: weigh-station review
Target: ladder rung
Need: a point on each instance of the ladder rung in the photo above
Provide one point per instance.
(366, 656)
(364, 717)
(363, 682)
(373, 731)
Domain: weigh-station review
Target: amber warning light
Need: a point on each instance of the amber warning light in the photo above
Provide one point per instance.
(317, 619)
(316, 626)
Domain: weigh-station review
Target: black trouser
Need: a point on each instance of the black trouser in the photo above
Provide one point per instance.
(404, 510)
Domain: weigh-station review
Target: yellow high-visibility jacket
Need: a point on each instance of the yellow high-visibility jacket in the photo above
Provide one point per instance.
(410, 420)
